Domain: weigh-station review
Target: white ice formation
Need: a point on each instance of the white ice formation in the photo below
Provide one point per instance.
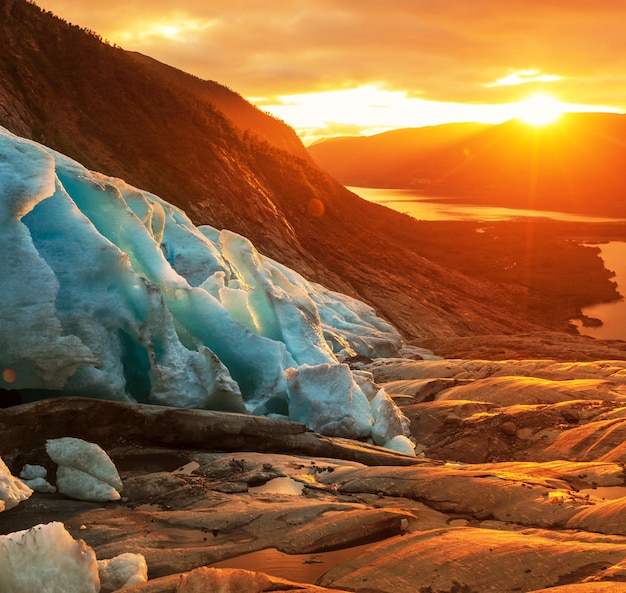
(34, 476)
(109, 291)
(32, 472)
(85, 471)
(47, 559)
(122, 571)
(12, 490)
(327, 399)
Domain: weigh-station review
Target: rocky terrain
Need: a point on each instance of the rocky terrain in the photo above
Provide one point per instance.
(519, 486)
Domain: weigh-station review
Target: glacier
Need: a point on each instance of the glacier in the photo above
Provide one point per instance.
(109, 291)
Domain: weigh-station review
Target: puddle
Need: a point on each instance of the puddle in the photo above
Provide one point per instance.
(302, 568)
(605, 492)
(279, 486)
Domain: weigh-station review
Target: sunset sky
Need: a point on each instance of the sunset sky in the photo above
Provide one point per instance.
(331, 67)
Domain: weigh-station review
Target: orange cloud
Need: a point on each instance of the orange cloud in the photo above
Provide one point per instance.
(447, 51)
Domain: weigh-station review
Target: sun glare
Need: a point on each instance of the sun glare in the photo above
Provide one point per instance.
(540, 109)
(372, 109)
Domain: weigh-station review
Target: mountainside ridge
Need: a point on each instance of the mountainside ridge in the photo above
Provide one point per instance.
(247, 117)
(572, 165)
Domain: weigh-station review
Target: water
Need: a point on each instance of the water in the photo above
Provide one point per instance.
(287, 486)
(612, 315)
(302, 568)
(436, 208)
(605, 492)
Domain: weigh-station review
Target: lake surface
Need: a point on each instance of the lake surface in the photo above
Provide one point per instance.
(436, 208)
(612, 315)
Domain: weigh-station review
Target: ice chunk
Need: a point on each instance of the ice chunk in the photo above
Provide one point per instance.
(326, 398)
(402, 444)
(34, 476)
(39, 485)
(122, 571)
(12, 490)
(83, 486)
(365, 380)
(29, 472)
(46, 559)
(389, 420)
(86, 457)
(85, 471)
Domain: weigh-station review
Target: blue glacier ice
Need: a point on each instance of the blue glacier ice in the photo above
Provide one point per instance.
(108, 291)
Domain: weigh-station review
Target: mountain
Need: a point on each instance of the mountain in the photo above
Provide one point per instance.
(573, 165)
(240, 112)
(190, 142)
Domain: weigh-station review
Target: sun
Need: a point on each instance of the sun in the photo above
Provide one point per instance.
(539, 109)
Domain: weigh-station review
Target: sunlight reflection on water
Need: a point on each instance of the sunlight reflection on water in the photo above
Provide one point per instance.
(279, 486)
(612, 315)
(303, 568)
(605, 492)
(435, 208)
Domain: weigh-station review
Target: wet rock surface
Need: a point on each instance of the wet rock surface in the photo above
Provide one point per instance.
(519, 486)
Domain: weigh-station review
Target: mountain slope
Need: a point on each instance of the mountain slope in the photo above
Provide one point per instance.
(117, 114)
(573, 165)
(244, 115)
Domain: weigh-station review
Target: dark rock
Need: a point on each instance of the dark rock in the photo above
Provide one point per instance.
(508, 428)
(571, 415)
(10, 397)
(232, 487)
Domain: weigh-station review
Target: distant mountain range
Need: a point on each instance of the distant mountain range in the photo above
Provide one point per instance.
(573, 165)
(205, 149)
